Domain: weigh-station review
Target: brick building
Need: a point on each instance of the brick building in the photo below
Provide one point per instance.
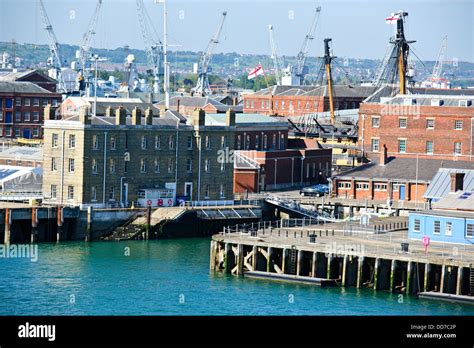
(21, 109)
(298, 100)
(125, 155)
(256, 171)
(394, 178)
(425, 124)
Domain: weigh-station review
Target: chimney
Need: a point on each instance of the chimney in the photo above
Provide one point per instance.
(457, 182)
(49, 112)
(383, 155)
(198, 117)
(120, 116)
(136, 116)
(108, 111)
(149, 116)
(84, 115)
(230, 118)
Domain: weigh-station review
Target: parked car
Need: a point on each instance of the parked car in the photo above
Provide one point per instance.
(316, 190)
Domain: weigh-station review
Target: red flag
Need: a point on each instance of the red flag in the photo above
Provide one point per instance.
(258, 70)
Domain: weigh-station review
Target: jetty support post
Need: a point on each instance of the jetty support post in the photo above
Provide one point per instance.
(240, 259)
(427, 277)
(283, 260)
(443, 274)
(360, 267)
(409, 273)
(59, 221)
(8, 221)
(254, 257)
(148, 222)
(328, 271)
(376, 273)
(299, 264)
(226, 258)
(269, 260)
(459, 281)
(90, 214)
(34, 224)
(313, 264)
(392, 274)
(344, 270)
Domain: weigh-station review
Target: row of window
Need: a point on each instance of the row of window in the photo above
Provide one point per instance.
(261, 143)
(19, 116)
(7, 103)
(20, 132)
(429, 146)
(266, 104)
(112, 192)
(362, 186)
(448, 228)
(403, 123)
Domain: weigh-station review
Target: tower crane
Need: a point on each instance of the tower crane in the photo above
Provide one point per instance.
(439, 62)
(275, 56)
(55, 59)
(84, 52)
(300, 70)
(153, 46)
(202, 85)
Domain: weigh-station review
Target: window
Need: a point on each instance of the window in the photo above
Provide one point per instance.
(430, 124)
(17, 132)
(70, 192)
(93, 194)
(157, 142)
(35, 132)
(36, 102)
(17, 116)
(448, 229)
(171, 165)
(207, 165)
(113, 143)
(257, 142)
(18, 101)
(223, 142)
(402, 122)
(94, 166)
(437, 227)
(190, 143)
(207, 189)
(362, 186)
(402, 145)
(458, 125)
(27, 102)
(282, 141)
(380, 187)
(274, 142)
(416, 225)
(208, 142)
(143, 165)
(307, 170)
(375, 122)
(26, 116)
(95, 142)
(247, 142)
(112, 193)
(36, 116)
(54, 102)
(222, 191)
(112, 166)
(144, 142)
(54, 191)
(375, 145)
(72, 141)
(189, 165)
(1, 113)
(429, 147)
(171, 142)
(469, 230)
(8, 131)
(222, 166)
(157, 165)
(239, 141)
(265, 142)
(344, 185)
(54, 140)
(457, 148)
(72, 164)
(54, 165)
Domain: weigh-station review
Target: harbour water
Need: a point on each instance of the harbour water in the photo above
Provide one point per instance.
(172, 277)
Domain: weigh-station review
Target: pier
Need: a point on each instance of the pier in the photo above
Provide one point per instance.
(376, 256)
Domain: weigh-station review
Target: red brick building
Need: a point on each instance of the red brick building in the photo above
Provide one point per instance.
(298, 100)
(256, 171)
(423, 125)
(33, 76)
(22, 109)
(394, 178)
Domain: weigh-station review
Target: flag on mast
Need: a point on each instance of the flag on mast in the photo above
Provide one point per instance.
(258, 70)
(392, 19)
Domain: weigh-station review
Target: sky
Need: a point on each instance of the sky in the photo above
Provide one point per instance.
(357, 27)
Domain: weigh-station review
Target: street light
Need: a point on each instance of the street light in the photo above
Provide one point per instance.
(96, 59)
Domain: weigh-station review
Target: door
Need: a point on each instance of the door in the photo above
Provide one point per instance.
(188, 190)
(401, 190)
(262, 183)
(26, 133)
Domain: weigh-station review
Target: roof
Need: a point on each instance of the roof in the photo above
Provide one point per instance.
(110, 121)
(18, 75)
(315, 91)
(8, 173)
(445, 213)
(23, 153)
(461, 200)
(103, 103)
(21, 87)
(195, 102)
(243, 162)
(402, 169)
(170, 114)
(441, 184)
(245, 119)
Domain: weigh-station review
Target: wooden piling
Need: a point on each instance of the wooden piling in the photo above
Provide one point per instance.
(34, 224)
(299, 264)
(376, 273)
(283, 260)
(459, 281)
(269, 260)
(409, 282)
(59, 220)
(226, 258)
(8, 221)
(360, 267)
(254, 258)
(148, 222)
(240, 259)
(328, 271)
(90, 212)
(344, 270)
(313, 264)
(443, 273)
(426, 277)
(392, 274)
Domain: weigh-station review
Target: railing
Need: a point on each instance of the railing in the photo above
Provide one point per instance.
(233, 203)
(20, 196)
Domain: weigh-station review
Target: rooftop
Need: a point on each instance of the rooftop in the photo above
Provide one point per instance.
(23, 153)
(21, 87)
(245, 120)
(317, 91)
(403, 169)
(441, 184)
(460, 201)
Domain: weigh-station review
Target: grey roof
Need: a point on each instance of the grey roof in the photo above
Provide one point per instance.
(243, 162)
(245, 120)
(17, 75)
(23, 153)
(403, 169)
(103, 103)
(441, 183)
(110, 121)
(461, 200)
(196, 102)
(425, 100)
(317, 91)
(446, 213)
(21, 87)
(175, 115)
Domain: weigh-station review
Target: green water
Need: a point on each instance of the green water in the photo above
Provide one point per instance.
(172, 277)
